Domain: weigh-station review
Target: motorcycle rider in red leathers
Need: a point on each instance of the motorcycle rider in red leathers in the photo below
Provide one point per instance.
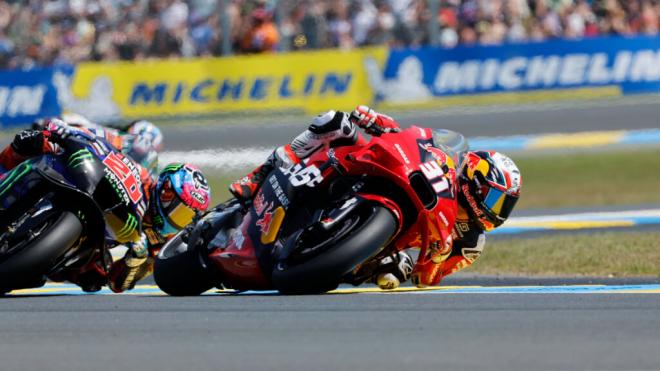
(170, 206)
(488, 187)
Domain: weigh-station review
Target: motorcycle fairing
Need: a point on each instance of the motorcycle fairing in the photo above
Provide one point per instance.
(42, 176)
(397, 157)
(251, 247)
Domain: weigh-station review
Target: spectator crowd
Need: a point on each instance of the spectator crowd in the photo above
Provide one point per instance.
(46, 32)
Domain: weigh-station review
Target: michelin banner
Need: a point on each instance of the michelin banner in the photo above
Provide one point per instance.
(316, 81)
(105, 92)
(298, 81)
(429, 74)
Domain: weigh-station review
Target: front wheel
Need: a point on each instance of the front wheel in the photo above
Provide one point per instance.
(30, 252)
(362, 236)
(178, 269)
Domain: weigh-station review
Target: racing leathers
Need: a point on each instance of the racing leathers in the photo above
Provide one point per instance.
(135, 265)
(334, 128)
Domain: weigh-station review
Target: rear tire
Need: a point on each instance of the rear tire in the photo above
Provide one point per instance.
(179, 271)
(28, 267)
(324, 271)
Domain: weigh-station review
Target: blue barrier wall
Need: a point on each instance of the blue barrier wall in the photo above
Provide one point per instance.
(632, 63)
(27, 95)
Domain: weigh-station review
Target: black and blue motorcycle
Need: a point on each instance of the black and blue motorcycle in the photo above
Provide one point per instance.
(56, 210)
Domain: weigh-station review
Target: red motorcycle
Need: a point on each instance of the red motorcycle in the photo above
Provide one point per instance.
(326, 221)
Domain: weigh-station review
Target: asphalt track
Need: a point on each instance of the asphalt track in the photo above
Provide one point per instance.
(270, 131)
(394, 331)
(481, 330)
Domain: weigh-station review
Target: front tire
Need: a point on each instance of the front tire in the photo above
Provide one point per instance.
(323, 271)
(27, 267)
(178, 270)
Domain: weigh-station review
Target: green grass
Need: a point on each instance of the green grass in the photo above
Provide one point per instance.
(618, 254)
(219, 184)
(621, 177)
(562, 180)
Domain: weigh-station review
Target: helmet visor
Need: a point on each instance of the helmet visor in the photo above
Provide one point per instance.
(180, 216)
(175, 211)
(500, 203)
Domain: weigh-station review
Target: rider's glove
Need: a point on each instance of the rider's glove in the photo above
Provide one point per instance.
(372, 122)
(58, 129)
(29, 142)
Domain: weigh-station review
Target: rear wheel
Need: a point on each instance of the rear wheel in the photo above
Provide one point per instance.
(179, 271)
(29, 253)
(318, 266)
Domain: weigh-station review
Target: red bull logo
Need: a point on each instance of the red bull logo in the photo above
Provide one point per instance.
(437, 153)
(265, 222)
(260, 205)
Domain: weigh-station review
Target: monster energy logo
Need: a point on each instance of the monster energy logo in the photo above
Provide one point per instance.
(14, 175)
(128, 228)
(158, 221)
(172, 167)
(78, 157)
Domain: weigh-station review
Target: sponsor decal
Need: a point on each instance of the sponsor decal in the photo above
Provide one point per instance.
(79, 157)
(599, 65)
(198, 197)
(130, 225)
(270, 224)
(225, 89)
(8, 180)
(26, 95)
(443, 218)
(279, 192)
(402, 153)
(311, 81)
(463, 227)
(199, 181)
(120, 170)
(300, 175)
(437, 153)
(265, 222)
(260, 206)
(21, 100)
(543, 71)
(473, 204)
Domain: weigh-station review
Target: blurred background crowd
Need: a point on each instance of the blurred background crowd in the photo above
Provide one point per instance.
(47, 32)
